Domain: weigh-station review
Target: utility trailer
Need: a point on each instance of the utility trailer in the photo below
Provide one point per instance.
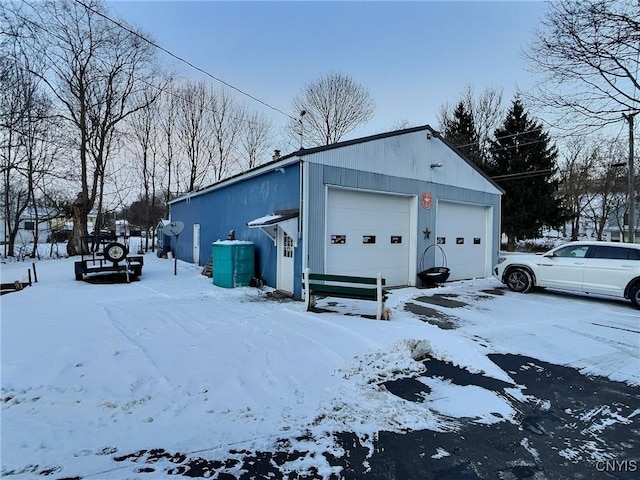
(113, 257)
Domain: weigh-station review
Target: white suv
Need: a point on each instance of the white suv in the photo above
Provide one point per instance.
(603, 268)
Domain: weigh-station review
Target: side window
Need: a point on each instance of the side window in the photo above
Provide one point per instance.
(634, 254)
(578, 251)
(612, 253)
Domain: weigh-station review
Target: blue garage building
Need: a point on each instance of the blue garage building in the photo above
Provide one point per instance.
(357, 207)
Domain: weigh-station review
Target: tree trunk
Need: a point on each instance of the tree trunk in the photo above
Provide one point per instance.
(77, 245)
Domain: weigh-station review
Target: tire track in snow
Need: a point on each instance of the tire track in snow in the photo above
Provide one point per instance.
(628, 349)
(123, 331)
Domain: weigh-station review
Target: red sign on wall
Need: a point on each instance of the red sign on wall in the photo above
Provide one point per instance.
(426, 200)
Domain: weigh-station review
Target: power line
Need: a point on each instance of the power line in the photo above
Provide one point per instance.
(517, 145)
(518, 176)
(172, 92)
(166, 89)
(180, 59)
(503, 137)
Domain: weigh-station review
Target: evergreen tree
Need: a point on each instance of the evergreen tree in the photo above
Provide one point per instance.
(461, 132)
(524, 165)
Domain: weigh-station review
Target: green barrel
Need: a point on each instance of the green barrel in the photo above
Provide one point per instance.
(233, 263)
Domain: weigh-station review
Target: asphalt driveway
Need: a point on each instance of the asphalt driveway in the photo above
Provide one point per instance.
(569, 423)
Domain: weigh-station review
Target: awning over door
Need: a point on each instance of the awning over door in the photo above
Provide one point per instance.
(287, 220)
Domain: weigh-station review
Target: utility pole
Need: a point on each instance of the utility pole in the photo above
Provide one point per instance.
(632, 194)
(302, 114)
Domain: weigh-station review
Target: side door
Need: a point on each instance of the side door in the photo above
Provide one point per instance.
(609, 268)
(563, 268)
(196, 243)
(285, 265)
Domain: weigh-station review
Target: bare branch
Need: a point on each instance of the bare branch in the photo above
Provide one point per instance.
(334, 105)
(588, 54)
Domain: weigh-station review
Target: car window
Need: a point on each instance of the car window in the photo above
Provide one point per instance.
(579, 251)
(634, 254)
(611, 252)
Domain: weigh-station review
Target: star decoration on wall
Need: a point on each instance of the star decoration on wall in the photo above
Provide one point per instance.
(426, 232)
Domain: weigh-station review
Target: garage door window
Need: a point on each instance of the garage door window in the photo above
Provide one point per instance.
(369, 239)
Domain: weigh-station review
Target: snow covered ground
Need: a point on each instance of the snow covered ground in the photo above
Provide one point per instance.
(173, 362)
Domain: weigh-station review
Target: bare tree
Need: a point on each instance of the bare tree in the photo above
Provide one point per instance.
(576, 171)
(402, 124)
(227, 119)
(334, 105)
(27, 141)
(608, 186)
(15, 90)
(486, 109)
(144, 125)
(255, 139)
(588, 52)
(41, 150)
(611, 195)
(168, 127)
(194, 133)
(94, 68)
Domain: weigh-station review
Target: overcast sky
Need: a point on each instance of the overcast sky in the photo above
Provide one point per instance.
(412, 56)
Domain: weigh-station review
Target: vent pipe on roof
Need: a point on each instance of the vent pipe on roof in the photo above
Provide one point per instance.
(276, 154)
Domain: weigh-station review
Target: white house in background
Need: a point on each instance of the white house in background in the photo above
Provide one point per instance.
(617, 229)
(358, 207)
(60, 227)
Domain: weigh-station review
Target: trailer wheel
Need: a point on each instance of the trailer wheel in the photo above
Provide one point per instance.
(115, 252)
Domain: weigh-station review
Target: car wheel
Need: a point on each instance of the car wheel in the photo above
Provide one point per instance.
(115, 252)
(519, 280)
(635, 295)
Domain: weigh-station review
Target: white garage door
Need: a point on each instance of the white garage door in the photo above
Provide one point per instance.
(463, 232)
(368, 233)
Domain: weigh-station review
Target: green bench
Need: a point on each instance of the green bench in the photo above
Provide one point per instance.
(344, 286)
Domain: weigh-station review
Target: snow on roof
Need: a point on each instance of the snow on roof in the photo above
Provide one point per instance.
(266, 220)
(278, 216)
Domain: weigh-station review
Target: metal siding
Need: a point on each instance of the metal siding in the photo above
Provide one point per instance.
(315, 205)
(322, 175)
(407, 156)
(230, 208)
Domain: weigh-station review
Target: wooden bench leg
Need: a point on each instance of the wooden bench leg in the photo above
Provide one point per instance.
(309, 300)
